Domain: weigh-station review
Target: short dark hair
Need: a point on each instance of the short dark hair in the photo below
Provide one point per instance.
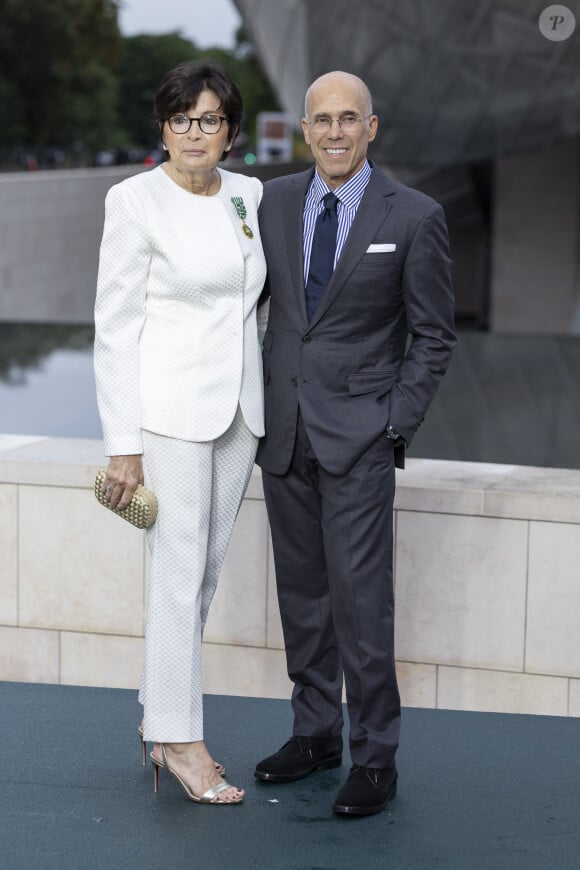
(182, 86)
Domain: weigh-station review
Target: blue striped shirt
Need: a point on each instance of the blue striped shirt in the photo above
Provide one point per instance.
(349, 197)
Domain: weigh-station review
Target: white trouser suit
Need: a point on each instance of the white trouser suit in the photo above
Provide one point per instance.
(199, 486)
(179, 380)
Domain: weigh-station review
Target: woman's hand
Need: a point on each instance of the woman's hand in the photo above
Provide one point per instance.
(124, 474)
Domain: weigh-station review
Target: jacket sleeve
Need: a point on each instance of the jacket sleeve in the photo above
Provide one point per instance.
(119, 317)
(429, 310)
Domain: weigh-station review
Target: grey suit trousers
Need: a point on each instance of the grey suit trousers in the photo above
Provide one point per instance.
(333, 543)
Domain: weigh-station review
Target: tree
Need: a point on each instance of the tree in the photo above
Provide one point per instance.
(68, 79)
(58, 62)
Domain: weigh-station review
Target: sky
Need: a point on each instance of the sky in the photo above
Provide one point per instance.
(205, 22)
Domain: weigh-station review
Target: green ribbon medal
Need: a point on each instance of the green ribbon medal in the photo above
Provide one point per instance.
(240, 208)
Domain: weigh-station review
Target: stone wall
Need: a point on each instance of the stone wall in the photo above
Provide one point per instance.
(487, 590)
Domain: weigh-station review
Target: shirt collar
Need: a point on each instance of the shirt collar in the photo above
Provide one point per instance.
(349, 193)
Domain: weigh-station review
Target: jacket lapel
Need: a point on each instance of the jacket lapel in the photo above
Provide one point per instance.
(294, 223)
(376, 203)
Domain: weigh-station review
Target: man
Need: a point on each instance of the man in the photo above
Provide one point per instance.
(352, 277)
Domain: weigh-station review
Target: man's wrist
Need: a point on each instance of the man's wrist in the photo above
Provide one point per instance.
(393, 435)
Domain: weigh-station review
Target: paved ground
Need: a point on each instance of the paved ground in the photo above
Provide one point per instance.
(477, 792)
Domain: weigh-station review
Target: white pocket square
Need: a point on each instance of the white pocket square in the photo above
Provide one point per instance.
(381, 249)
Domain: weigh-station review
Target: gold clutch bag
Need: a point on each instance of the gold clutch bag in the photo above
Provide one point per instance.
(140, 512)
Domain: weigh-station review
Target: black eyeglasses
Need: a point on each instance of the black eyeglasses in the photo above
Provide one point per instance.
(208, 123)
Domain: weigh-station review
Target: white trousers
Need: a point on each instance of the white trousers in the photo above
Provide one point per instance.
(200, 486)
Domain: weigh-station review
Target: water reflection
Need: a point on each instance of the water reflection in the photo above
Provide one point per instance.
(25, 346)
(510, 399)
(46, 381)
(506, 399)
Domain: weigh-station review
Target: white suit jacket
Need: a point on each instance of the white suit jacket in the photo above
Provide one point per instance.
(176, 338)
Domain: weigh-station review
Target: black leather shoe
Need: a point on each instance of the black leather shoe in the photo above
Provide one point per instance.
(299, 757)
(366, 791)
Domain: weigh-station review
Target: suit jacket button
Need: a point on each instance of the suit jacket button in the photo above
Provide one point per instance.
(307, 339)
(294, 382)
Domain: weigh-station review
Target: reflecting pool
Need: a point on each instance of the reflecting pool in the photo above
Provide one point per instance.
(47, 385)
(506, 399)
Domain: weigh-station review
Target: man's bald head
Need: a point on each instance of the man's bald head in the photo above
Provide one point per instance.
(339, 80)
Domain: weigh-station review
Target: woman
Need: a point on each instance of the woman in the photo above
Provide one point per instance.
(179, 385)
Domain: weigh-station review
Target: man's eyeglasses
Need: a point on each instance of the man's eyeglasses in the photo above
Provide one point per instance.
(347, 122)
(208, 123)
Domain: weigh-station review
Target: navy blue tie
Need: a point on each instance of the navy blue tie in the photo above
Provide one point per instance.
(322, 255)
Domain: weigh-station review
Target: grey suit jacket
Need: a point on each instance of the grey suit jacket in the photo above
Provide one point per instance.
(381, 338)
